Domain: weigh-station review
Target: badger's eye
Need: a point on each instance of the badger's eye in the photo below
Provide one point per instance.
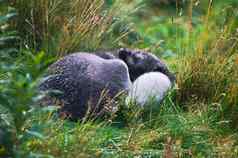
(159, 69)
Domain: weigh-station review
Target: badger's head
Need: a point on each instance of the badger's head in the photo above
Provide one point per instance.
(139, 62)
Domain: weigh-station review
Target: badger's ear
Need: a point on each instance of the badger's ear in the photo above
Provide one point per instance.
(124, 54)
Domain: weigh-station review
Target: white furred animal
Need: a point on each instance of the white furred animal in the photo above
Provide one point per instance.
(151, 86)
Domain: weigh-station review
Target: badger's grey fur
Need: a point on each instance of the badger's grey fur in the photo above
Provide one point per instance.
(82, 78)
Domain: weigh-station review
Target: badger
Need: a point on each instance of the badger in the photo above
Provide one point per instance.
(90, 81)
(86, 81)
(139, 62)
(150, 76)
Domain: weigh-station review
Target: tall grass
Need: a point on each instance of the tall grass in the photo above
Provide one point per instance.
(61, 27)
(209, 74)
(58, 26)
(173, 133)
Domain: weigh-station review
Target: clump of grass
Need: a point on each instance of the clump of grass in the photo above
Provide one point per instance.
(197, 133)
(211, 74)
(85, 27)
(60, 27)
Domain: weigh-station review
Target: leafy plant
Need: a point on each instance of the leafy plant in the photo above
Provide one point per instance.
(6, 36)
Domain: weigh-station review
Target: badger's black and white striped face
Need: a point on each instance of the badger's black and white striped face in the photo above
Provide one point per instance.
(139, 62)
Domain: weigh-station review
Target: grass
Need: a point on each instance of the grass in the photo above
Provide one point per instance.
(211, 72)
(196, 133)
(197, 119)
(59, 28)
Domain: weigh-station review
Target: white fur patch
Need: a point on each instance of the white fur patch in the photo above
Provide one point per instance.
(152, 85)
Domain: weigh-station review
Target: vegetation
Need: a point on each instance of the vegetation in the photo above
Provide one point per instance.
(198, 39)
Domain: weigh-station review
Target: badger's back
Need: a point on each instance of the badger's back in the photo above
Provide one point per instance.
(82, 77)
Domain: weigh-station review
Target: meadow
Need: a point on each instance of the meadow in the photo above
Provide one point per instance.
(198, 39)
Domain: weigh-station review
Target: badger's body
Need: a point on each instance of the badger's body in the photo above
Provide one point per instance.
(86, 80)
(151, 86)
(89, 81)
